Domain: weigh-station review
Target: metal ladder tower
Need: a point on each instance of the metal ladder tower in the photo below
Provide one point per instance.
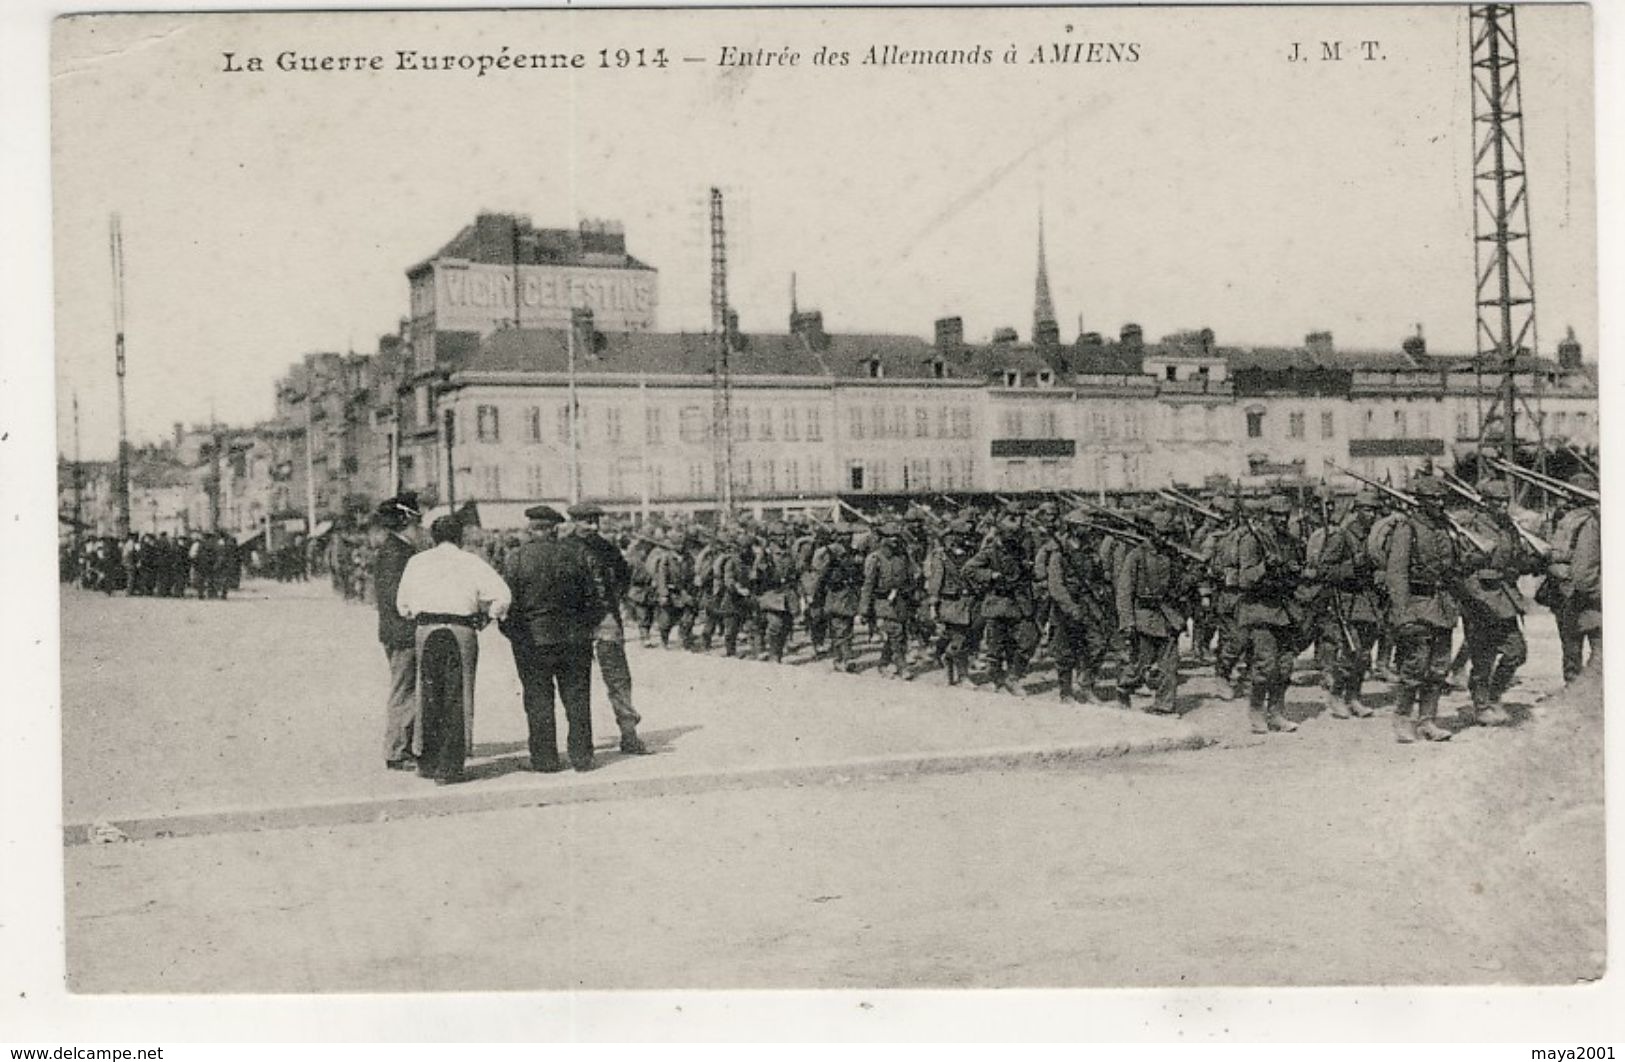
(116, 245)
(721, 380)
(1503, 256)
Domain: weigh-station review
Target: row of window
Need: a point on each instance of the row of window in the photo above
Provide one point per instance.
(902, 422)
(624, 478)
(606, 424)
(914, 474)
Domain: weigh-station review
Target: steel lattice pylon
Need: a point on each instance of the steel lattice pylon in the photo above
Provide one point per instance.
(722, 381)
(1503, 255)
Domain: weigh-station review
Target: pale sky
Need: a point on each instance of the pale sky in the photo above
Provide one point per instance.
(1211, 183)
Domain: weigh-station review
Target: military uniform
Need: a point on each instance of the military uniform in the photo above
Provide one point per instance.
(1492, 610)
(1268, 564)
(889, 586)
(1348, 574)
(1080, 620)
(1422, 564)
(775, 582)
(1001, 572)
(1148, 586)
(1576, 570)
(837, 582)
(673, 584)
(949, 598)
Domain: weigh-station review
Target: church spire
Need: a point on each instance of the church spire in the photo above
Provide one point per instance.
(1045, 327)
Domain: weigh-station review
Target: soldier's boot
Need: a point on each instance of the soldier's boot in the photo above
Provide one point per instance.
(1084, 690)
(1064, 677)
(1276, 705)
(1338, 707)
(1257, 715)
(1405, 716)
(953, 671)
(1011, 684)
(1125, 698)
(1429, 727)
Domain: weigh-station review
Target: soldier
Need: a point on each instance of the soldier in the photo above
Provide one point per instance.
(640, 593)
(838, 579)
(1045, 545)
(1079, 618)
(777, 587)
(1492, 608)
(889, 586)
(804, 548)
(949, 600)
(614, 578)
(1353, 607)
(673, 583)
(1269, 562)
(1422, 561)
(1148, 587)
(1576, 571)
(1001, 572)
(730, 594)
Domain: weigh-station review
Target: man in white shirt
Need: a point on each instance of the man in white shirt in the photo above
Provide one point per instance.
(450, 595)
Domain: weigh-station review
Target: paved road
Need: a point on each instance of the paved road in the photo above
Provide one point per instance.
(1333, 856)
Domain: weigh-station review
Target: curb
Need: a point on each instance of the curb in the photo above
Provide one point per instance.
(453, 802)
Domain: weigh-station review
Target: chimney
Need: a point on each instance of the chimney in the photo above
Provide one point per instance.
(950, 334)
(1091, 339)
(1133, 337)
(735, 340)
(1207, 341)
(1319, 344)
(1569, 352)
(180, 433)
(1004, 335)
(1415, 346)
(809, 324)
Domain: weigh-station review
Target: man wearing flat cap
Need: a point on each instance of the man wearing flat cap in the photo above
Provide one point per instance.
(395, 525)
(555, 614)
(614, 576)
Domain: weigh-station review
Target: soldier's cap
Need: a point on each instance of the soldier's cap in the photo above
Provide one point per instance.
(1583, 480)
(1279, 506)
(1496, 488)
(1048, 510)
(402, 509)
(1427, 487)
(544, 514)
(961, 525)
(1161, 519)
(1254, 505)
(585, 511)
(1368, 499)
(891, 529)
(1079, 516)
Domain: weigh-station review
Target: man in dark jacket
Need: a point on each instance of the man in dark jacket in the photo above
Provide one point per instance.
(395, 526)
(614, 576)
(554, 616)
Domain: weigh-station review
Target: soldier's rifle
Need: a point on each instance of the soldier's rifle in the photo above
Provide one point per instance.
(862, 516)
(1185, 501)
(1338, 611)
(1547, 483)
(1131, 530)
(1477, 501)
(1409, 503)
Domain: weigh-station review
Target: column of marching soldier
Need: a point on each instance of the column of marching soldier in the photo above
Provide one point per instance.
(1379, 580)
(208, 564)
